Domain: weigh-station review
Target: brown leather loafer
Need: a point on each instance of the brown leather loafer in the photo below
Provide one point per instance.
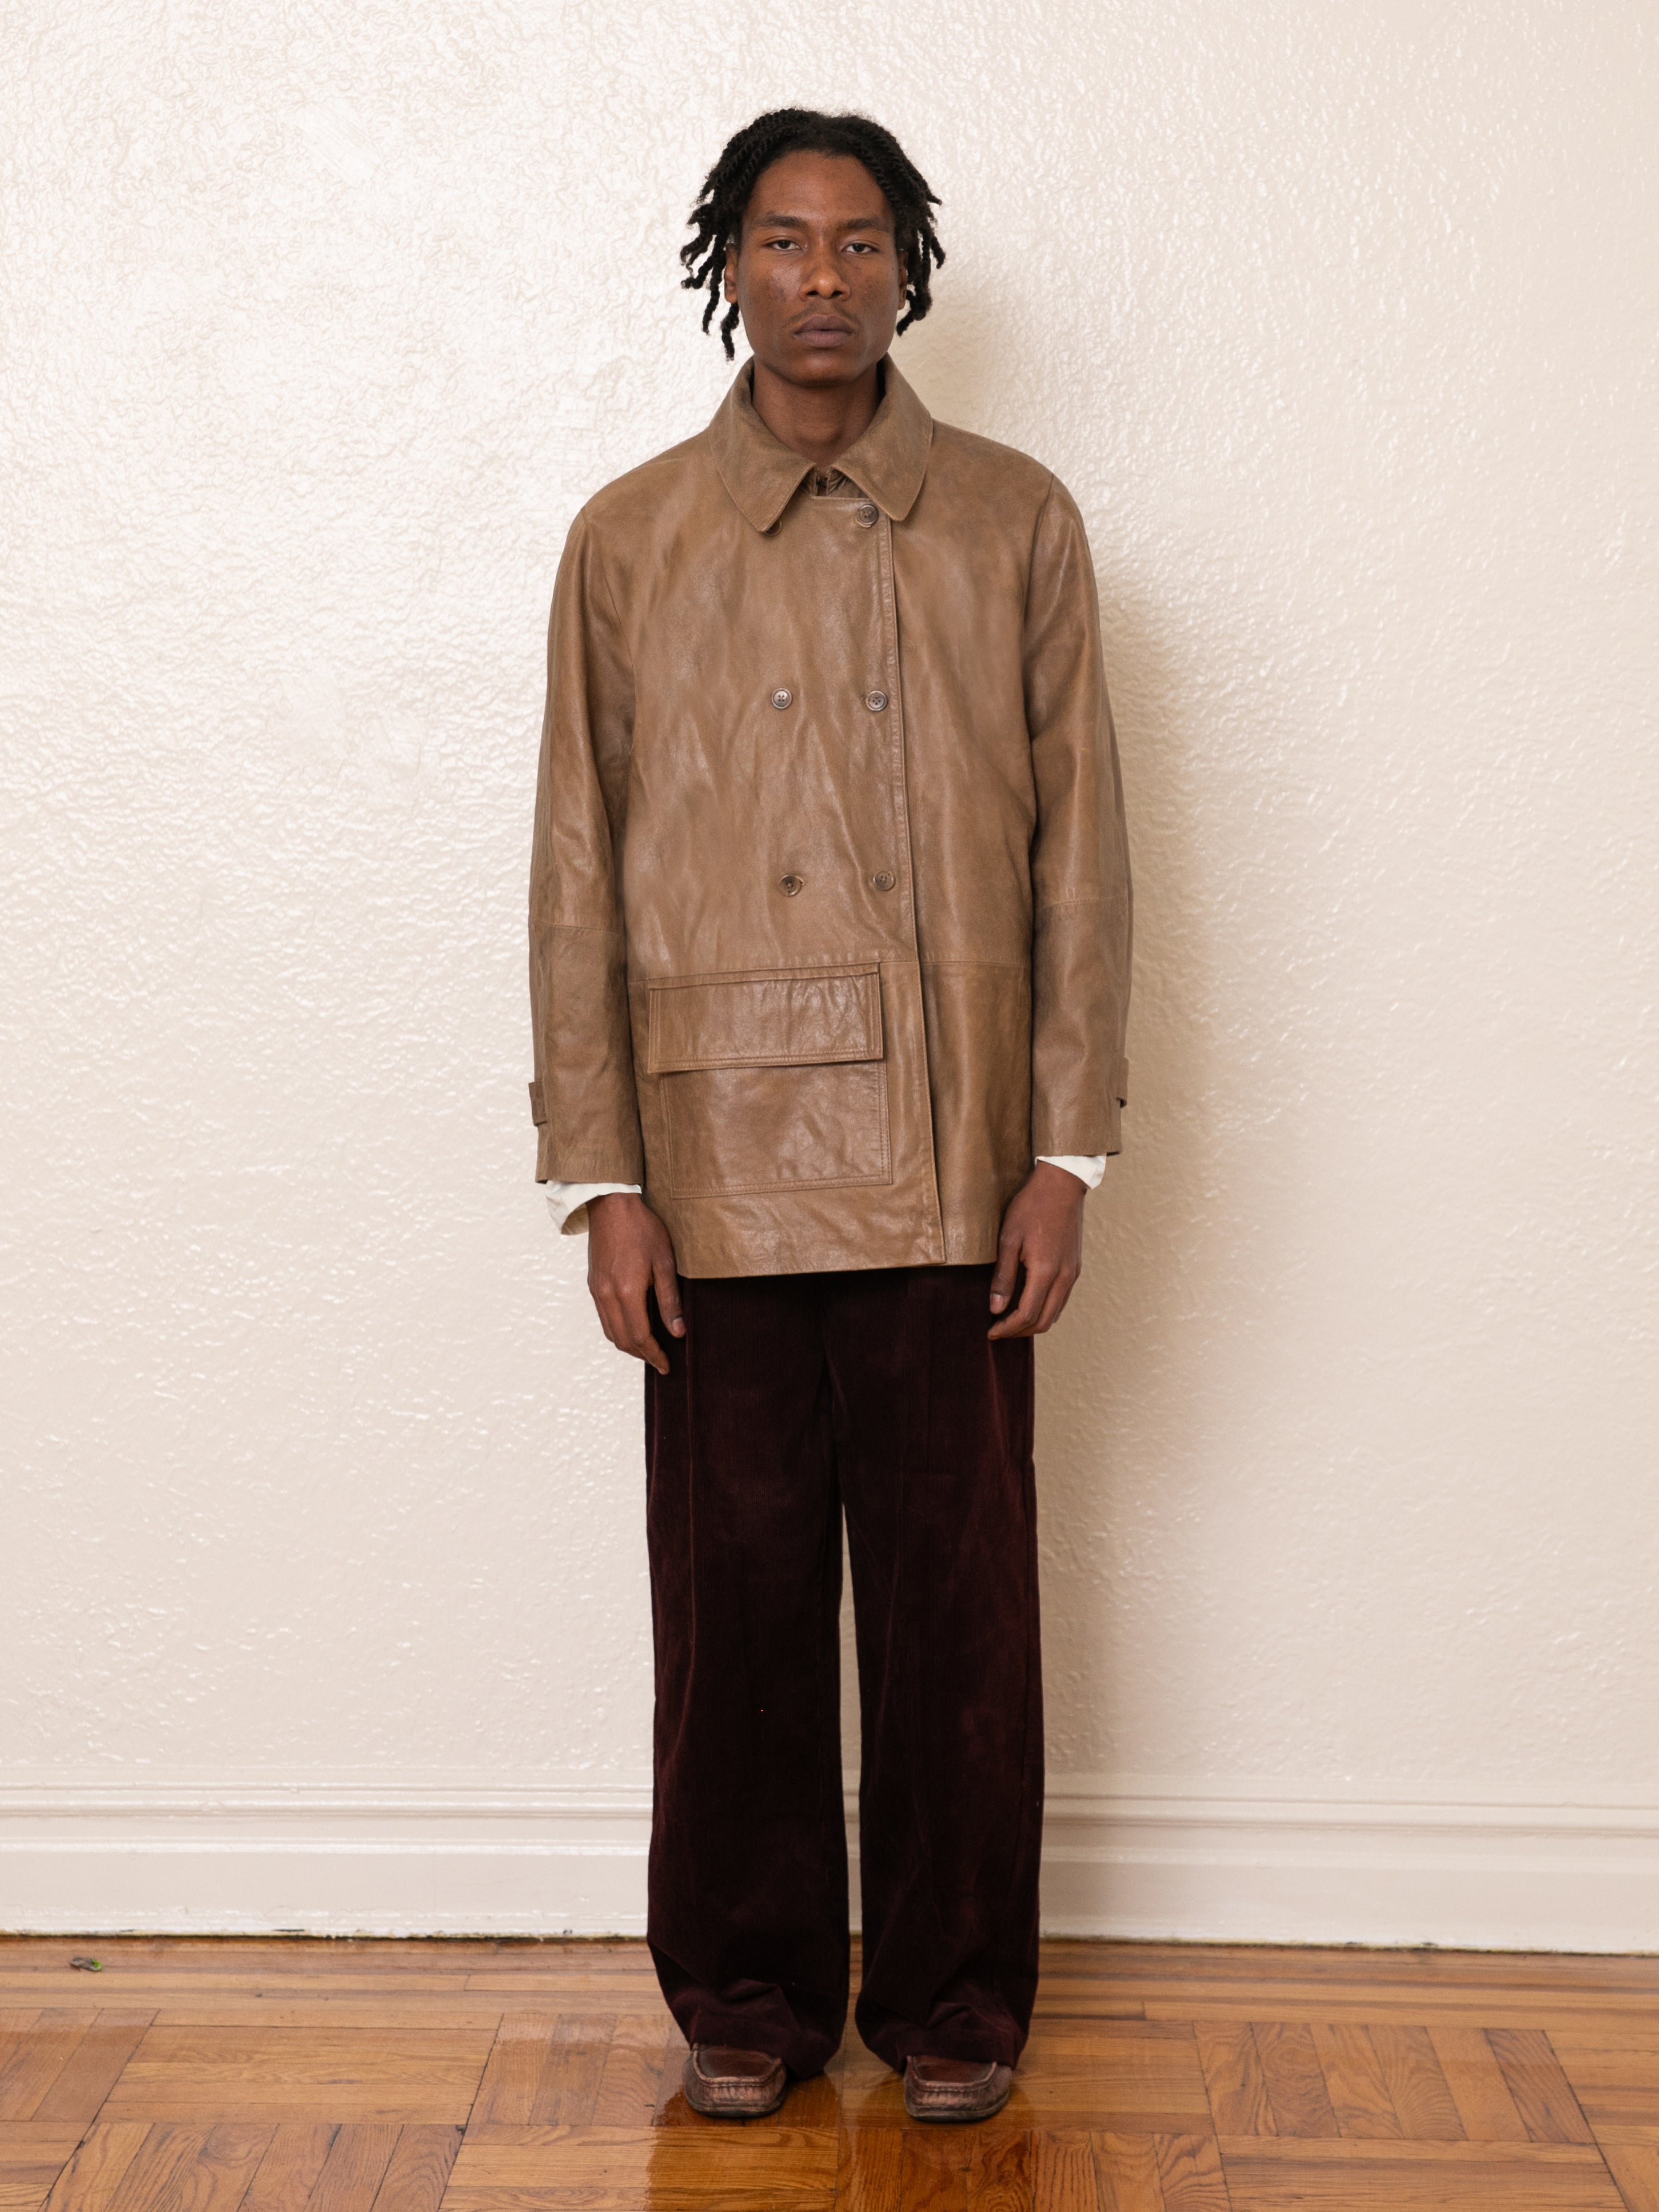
(956, 2089)
(725, 2083)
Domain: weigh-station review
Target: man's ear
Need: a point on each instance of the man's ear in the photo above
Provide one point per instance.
(728, 282)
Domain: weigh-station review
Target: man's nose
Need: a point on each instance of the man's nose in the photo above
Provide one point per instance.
(822, 277)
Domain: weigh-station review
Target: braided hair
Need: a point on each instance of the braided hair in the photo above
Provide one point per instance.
(717, 219)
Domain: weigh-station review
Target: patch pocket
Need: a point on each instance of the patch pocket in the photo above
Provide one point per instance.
(775, 1080)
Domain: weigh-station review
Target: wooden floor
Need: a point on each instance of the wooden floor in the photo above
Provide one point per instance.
(294, 2076)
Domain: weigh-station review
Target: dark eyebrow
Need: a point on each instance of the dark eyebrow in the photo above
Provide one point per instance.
(800, 221)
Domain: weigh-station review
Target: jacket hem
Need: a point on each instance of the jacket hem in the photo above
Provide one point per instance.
(724, 1250)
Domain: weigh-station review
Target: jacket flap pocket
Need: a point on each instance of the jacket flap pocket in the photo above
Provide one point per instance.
(786, 1017)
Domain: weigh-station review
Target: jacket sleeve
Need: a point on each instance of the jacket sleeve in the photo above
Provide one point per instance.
(583, 1096)
(1080, 852)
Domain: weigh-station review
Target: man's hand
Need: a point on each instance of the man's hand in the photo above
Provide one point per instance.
(1041, 1233)
(630, 1253)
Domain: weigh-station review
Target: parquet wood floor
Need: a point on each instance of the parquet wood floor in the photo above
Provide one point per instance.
(214, 2075)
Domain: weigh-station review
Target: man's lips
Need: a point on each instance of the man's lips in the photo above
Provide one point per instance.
(824, 330)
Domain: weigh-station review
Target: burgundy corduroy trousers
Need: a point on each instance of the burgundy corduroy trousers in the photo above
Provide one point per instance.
(791, 1399)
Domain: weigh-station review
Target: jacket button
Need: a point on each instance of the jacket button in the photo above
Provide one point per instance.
(790, 884)
(875, 701)
(883, 882)
(782, 698)
(866, 513)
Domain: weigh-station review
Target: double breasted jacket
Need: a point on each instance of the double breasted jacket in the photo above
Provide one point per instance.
(829, 912)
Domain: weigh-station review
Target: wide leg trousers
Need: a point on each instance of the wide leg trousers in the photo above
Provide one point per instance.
(790, 1399)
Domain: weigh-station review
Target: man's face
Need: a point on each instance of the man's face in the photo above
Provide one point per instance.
(815, 273)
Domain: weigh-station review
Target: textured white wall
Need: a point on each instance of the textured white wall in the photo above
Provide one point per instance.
(323, 1491)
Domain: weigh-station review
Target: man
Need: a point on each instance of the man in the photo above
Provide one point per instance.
(830, 947)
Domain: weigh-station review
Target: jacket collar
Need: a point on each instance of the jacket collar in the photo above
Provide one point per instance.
(762, 474)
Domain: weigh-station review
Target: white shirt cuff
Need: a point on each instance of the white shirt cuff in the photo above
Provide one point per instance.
(568, 1202)
(1087, 1167)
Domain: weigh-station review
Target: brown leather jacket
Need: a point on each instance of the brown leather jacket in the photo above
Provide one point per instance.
(829, 898)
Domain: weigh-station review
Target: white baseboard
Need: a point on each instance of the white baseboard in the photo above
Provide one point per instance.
(446, 1855)
(1125, 1855)
(1261, 1866)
